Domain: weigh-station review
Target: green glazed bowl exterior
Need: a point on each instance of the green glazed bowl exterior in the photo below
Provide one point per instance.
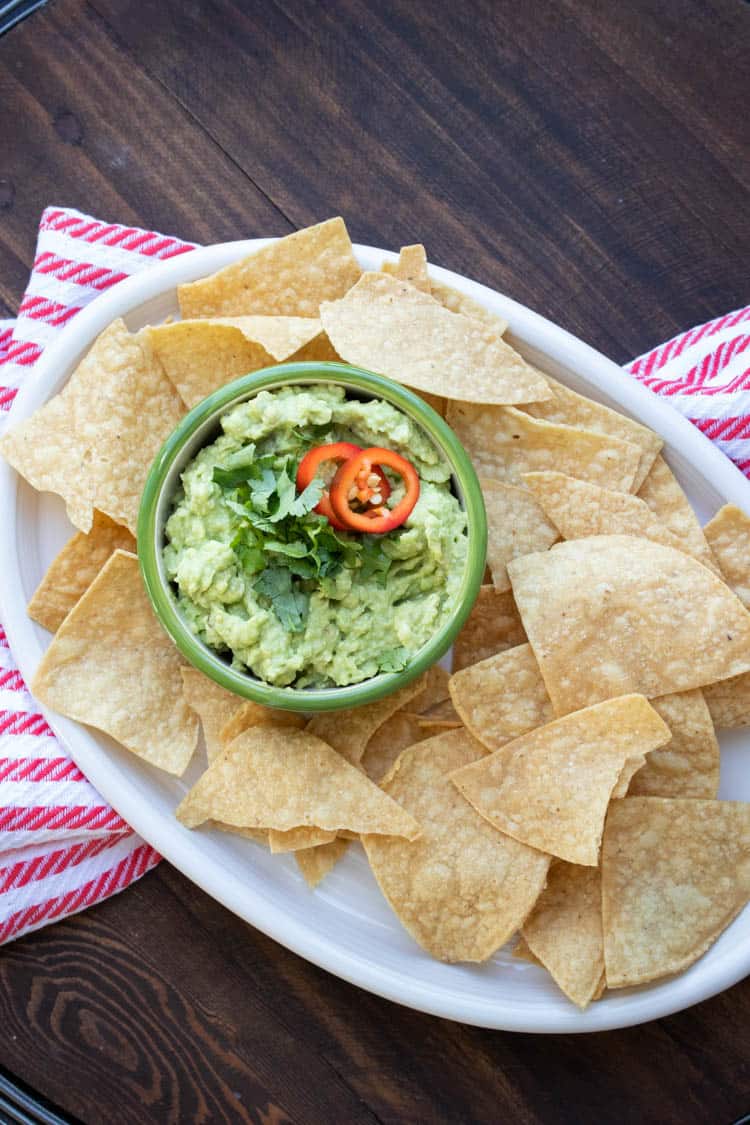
(199, 428)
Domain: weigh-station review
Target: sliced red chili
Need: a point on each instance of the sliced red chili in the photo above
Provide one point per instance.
(336, 453)
(353, 477)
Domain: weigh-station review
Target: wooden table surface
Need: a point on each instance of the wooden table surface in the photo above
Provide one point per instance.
(588, 157)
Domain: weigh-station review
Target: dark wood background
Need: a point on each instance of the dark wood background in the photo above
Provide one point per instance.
(588, 157)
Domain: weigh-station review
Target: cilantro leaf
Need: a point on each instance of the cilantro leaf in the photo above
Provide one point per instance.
(289, 604)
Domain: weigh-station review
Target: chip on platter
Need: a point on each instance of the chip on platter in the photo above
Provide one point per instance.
(504, 443)
(516, 525)
(502, 697)
(248, 714)
(579, 508)
(72, 571)
(316, 863)
(111, 665)
(568, 408)
(94, 443)
(462, 889)
(388, 741)
(729, 702)
(688, 765)
(564, 930)
(492, 626)
(550, 788)
(411, 266)
(614, 614)
(665, 497)
(675, 873)
(298, 839)
(199, 356)
(349, 734)
(272, 777)
(393, 328)
(213, 705)
(728, 535)
(289, 277)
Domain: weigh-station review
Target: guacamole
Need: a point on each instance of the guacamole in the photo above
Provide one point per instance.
(266, 581)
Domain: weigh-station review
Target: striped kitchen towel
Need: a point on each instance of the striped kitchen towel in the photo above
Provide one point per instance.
(62, 848)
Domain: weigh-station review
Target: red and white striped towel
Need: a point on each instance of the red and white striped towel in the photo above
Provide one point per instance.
(62, 848)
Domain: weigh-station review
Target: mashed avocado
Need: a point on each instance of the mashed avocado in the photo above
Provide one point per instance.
(263, 579)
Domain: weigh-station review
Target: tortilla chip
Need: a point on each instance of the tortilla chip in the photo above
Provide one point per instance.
(550, 788)
(213, 705)
(249, 714)
(522, 952)
(675, 873)
(568, 408)
(492, 626)
(111, 665)
(319, 350)
(95, 442)
(289, 277)
(614, 614)
(729, 702)
(580, 509)
(688, 765)
(462, 889)
(257, 835)
(385, 745)
(298, 839)
(315, 863)
(664, 496)
(728, 535)
(279, 778)
(349, 732)
(564, 930)
(516, 525)
(443, 710)
(390, 327)
(411, 266)
(72, 571)
(502, 697)
(458, 302)
(199, 356)
(505, 443)
(433, 690)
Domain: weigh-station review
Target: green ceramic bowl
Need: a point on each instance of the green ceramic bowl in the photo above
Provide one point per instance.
(199, 428)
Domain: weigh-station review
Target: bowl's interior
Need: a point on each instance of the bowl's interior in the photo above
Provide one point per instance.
(199, 428)
(345, 925)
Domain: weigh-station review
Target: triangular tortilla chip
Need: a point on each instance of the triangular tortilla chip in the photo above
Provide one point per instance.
(386, 744)
(729, 702)
(505, 443)
(349, 732)
(502, 697)
(272, 777)
(391, 327)
(567, 408)
(550, 788)
(492, 626)
(674, 875)
(564, 930)
(462, 889)
(614, 614)
(688, 765)
(111, 665)
(94, 443)
(728, 535)
(666, 499)
(250, 714)
(516, 525)
(287, 278)
(199, 356)
(213, 705)
(298, 839)
(316, 863)
(579, 509)
(411, 266)
(72, 571)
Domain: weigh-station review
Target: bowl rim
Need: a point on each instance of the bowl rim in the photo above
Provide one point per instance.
(160, 477)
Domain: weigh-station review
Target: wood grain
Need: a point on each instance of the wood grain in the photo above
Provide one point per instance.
(588, 158)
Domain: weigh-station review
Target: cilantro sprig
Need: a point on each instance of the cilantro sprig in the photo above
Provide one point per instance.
(283, 541)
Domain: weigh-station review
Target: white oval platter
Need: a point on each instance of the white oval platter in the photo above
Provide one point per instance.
(345, 925)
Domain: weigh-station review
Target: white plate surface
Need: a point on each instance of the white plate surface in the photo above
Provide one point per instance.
(345, 925)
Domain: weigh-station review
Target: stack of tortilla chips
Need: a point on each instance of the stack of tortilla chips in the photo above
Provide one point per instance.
(561, 784)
